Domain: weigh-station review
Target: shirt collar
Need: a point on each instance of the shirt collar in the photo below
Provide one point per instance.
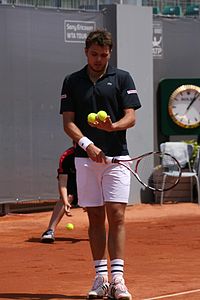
(110, 70)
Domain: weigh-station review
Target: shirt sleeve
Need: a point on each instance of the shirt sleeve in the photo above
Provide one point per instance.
(66, 103)
(66, 162)
(129, 93)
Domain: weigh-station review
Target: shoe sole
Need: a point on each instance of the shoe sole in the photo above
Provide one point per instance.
(121, 298)
(47, 241)
(96, 297)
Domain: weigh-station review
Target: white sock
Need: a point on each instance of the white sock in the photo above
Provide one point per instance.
(101, 267)
(117, 267)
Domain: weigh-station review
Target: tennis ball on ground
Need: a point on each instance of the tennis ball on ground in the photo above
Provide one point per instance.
(102, 115)
(91, 117)
(70, 226)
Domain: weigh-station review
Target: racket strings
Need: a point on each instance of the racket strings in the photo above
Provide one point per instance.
(158, 171)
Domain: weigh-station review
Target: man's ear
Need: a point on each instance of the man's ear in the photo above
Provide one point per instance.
(86, 51)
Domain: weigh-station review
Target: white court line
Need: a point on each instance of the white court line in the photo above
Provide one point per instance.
(173, 295)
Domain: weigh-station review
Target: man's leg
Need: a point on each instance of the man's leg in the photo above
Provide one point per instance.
(116, 245)
(97, 231)
(116, 233)
(97, 235)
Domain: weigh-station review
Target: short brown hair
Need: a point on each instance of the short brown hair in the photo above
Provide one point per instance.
(100, 37)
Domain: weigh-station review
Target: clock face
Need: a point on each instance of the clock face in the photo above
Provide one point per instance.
(184, 106)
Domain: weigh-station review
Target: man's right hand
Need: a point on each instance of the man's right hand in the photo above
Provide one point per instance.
(96, 154)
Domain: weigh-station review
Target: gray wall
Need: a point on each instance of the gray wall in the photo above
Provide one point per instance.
(35, 57)
(34, 60)
(180, 59)
(132, 27)
(134, 53)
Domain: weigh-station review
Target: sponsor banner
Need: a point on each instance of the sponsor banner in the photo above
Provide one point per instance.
(157, 43)
(77, 31)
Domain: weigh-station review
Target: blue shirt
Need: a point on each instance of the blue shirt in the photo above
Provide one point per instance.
(113, 92)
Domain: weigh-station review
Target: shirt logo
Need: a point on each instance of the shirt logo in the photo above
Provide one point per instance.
(131, 92)
(109, 83)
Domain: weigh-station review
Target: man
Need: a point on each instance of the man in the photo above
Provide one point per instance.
(102, 188)
(67, 191)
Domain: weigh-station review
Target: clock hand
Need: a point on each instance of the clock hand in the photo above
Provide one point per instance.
(192, 102)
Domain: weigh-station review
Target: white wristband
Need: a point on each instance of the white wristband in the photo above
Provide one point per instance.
(84, 142)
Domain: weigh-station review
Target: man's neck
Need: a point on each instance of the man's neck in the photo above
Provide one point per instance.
(94, 76)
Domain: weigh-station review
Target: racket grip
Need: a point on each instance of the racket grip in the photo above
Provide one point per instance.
(111, 160)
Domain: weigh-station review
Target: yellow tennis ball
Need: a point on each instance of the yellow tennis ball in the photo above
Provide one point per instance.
(70, 226)
(91, 117)
(102, 115)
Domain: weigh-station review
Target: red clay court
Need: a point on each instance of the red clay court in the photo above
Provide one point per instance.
(162, 255)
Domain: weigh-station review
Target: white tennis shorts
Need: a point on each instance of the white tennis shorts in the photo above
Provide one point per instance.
(98, 183)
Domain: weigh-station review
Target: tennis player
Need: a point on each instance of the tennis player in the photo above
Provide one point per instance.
(67, 191)
(102, 188)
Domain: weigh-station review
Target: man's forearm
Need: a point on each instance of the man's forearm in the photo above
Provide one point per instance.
(73, 131)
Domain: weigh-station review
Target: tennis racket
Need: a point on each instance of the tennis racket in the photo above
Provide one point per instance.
(154, 170)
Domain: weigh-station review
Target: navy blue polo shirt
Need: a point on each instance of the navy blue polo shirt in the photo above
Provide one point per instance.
(113, 92)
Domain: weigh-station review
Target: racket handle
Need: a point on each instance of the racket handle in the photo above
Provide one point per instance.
(111, 160)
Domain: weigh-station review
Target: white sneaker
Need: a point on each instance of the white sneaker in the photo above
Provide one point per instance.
(118, 290)
(99, 288)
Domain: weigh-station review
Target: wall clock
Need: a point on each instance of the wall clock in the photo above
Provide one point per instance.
(184, 106)
(179, 106)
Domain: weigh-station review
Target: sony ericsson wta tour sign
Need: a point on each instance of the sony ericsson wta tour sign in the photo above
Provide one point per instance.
(77, 31)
